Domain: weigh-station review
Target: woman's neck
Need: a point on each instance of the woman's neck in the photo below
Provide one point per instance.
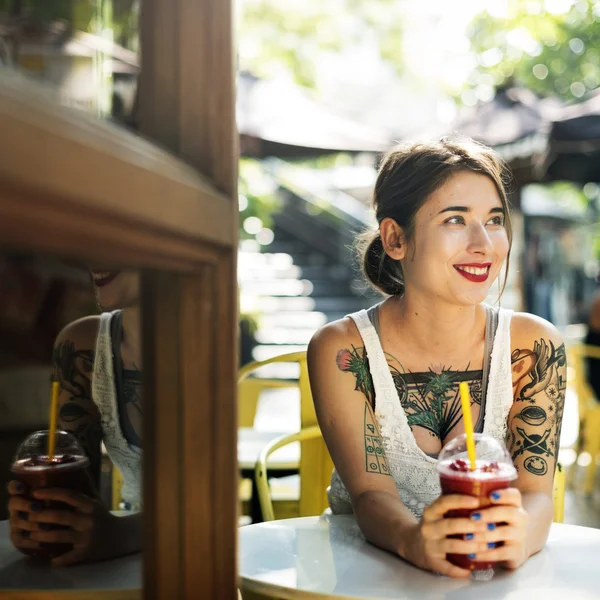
(435, 325)
(132, 335)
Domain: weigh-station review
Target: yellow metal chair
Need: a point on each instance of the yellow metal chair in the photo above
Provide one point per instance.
(308, 486)
(315, 464)
(589, 411)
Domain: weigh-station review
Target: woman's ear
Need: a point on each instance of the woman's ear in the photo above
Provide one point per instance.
(392, 239)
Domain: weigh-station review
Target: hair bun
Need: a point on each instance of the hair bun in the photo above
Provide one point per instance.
(383, 272)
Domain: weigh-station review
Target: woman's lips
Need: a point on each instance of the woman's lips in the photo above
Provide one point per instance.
(103, 278)
(478, 273)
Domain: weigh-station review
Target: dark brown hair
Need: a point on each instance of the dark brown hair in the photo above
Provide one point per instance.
(408, 175)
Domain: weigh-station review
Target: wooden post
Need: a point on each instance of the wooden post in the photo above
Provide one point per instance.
(187, 104)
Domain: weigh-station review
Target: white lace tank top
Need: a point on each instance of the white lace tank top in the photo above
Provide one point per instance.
(126, 457)
(414, 471)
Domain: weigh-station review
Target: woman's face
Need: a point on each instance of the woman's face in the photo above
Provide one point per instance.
(115, 289)
(459, 243)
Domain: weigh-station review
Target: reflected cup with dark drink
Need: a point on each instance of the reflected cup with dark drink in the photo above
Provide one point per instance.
(494, 471)
(68, 469)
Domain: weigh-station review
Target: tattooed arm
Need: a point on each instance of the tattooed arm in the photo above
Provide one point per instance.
(73, 360)
(533, 439)
(344, 399)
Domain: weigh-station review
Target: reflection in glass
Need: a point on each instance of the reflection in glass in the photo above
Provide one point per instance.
(87, 49)
(79, 324)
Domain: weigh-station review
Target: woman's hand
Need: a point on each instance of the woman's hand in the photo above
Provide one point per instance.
(509, 511)
(429, 543)
(90, 527)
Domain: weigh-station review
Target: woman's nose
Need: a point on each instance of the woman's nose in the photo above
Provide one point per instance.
(479, 240)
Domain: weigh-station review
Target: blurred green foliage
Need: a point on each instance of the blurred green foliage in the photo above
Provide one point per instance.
(257, 194)
(290, 36)
(122, 16)
(549, 46)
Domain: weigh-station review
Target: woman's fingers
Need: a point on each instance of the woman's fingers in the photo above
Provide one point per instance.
(502, 533)
(22, 541)
(19, 504)
(443, 504)
(56, 536)
(67, 518)
(443, 567)
(454, 526)
(22, 524)
(501, 514)
(78, 501)
(506, 552)
(508, 496)
(15, 487)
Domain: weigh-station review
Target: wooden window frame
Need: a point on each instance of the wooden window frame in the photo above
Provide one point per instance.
(81, 188)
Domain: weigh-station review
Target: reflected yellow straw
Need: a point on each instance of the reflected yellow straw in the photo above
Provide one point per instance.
(465, 399)
(52, 428)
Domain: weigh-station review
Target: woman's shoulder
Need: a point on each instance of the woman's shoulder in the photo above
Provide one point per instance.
(81, 333)
(527, 328)
(341, 333)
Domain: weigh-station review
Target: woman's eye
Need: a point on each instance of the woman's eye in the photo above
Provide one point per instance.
(496, 221)
(455, 221)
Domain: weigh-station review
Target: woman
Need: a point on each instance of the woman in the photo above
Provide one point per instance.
(385, 381)
(98, 362)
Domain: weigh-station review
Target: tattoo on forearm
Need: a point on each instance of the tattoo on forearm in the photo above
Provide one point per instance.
(375, 454)
(73, 369)
(534, 432)
(431, 400)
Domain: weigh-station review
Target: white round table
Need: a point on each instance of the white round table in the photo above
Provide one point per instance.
(122, 576)
(328, 557)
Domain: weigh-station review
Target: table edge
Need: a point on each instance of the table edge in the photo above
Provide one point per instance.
(71, 594)
(273, 590)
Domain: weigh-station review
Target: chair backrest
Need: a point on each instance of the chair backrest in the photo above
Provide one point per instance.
(249, 391)
(585, 395)
(315, 463)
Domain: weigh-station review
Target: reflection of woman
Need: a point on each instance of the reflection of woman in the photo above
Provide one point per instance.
(98, 362)
(593, 339)
(385, 381)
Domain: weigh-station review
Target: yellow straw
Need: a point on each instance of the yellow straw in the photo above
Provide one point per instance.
(52, 428)
(468, 421)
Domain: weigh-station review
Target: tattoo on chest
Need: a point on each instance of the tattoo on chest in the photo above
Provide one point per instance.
(132, 404)
(431, 400)
(132, 391)
(375, 454)
(534, 432)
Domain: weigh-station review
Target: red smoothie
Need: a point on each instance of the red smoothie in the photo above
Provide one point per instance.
(457, 478)
(64, 471)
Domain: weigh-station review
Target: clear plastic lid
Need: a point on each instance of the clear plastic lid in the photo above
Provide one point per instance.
(493, 458)
(35, 448)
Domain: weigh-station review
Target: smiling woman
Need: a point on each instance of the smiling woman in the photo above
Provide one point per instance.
(392, 373)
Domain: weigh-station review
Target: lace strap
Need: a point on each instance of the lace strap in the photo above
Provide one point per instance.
(499, 392)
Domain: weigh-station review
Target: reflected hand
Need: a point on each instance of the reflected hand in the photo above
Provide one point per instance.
(509, 511)
(18, 514)
(89, 527)
(430, 542)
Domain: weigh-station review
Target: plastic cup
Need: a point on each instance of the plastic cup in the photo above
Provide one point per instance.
(494, 471)
(68, 469)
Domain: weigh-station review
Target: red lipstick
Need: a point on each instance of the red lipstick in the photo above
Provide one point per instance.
(103, 278)
(475, 272)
